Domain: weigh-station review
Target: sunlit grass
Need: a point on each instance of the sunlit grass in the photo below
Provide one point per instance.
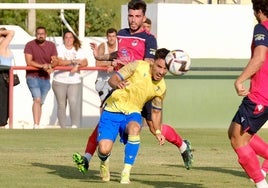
(43, 158)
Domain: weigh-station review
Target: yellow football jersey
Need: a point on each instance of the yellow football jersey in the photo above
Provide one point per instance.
(141, 89)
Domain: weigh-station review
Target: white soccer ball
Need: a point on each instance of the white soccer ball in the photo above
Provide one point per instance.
(178, 62)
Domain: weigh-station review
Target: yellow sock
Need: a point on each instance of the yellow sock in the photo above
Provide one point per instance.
(127, 168)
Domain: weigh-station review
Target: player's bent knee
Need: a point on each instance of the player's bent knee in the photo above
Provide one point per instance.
(133, 128)
(105, 147)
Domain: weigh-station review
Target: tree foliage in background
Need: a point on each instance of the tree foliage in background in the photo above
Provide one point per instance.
(97, 19)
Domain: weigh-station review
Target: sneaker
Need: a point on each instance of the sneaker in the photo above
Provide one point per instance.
(81, 162)
(125, 178)
(187, 156)
(104, 170)
(74, 127)
(35, 126)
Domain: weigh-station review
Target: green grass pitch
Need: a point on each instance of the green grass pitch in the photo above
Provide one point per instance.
(199, 105)
(43, 158)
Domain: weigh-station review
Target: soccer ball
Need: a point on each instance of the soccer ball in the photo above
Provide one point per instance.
(178, 62)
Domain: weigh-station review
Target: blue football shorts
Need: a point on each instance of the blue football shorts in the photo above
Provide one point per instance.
(112, 123)
(251, 116)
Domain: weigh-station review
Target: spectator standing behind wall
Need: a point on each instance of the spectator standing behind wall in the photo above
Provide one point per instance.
(39, 53)
(6, 58)
(67, 85)
(102, 86)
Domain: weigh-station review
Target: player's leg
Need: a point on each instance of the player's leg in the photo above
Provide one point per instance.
(130, 136)
(264, 166)
(171, 136)
(184, 146)
(81, 161)
(260, 148)
(107, 133)
(247, 157)
(92, 140)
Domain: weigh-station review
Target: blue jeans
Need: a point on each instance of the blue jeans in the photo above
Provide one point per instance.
(38, 87)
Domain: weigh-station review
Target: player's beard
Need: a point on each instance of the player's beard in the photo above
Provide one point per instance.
(132, 27)
(134, 30)
(40, 40)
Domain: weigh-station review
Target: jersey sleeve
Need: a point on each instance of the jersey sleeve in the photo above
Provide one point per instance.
(150, 47)
(28, 48)
(260, 36)
(127, 70)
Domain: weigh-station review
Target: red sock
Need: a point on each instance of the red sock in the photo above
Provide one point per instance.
(260, 148)
(265, 165)
(92, 142)
(171, 135)
(249, 162)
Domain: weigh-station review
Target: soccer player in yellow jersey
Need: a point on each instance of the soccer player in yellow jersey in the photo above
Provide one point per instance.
(134, 84)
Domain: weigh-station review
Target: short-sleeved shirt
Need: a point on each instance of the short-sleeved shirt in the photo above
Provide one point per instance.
(258, 85)
(68, 54)
(136, 46)
(41, 54)
(141, 89)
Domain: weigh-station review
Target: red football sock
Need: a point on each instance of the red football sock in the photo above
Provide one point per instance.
(171, 135)
(249, 162)
(265, 165)
(92, 142)
(260, 148)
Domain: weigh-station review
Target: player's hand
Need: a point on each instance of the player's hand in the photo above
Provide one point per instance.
(122, 63)
(161, 139)
(122, 84)
(240, 89)
(110, 69)
(114, 63)
(74, 69)
(94, 48)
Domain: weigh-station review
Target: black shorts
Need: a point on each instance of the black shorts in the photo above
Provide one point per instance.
(251, 116)
(147, 111)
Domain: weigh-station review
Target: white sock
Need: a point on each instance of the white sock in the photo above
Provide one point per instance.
(262, 184)
(88, 156)
(183, 147)
(263, 172)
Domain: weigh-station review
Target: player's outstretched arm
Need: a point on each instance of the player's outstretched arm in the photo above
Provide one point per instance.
(156, 122)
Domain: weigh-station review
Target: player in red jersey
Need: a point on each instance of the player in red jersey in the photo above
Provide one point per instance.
(253, 111)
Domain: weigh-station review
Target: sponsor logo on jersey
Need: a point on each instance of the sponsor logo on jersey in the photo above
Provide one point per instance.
(259, 37)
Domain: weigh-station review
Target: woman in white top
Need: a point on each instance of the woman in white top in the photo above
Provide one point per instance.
(67, 84)
(6, 58)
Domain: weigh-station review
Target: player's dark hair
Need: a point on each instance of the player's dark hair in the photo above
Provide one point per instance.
(260, 5)
(137, 5)
(161, 53)
(111, 30)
